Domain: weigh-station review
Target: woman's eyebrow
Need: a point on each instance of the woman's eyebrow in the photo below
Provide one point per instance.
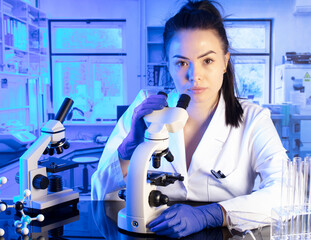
(179, 56)
(205, 54)
(202, 55)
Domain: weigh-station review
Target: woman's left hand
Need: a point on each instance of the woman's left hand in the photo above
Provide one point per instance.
(181, 220)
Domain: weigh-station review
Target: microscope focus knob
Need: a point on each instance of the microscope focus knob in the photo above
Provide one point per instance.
(156, 199)
(66, 145)
(122, 194)
(40, 182)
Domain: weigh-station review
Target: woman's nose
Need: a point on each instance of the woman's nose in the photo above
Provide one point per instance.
(194, 73)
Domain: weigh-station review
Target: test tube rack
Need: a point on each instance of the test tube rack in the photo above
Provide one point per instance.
(292, 220)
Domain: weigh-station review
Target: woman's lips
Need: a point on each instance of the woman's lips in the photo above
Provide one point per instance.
(197, 90)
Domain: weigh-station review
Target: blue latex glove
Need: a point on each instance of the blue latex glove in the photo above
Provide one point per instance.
(181, 220)
(138, 126)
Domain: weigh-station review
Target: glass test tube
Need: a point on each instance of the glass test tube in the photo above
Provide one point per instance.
(308, 193)
(305, 220)
(300, 195)
(285, 198)
(292, 195)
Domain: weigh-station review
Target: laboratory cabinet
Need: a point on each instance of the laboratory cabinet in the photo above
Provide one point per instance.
(24, 41)
(24, 66)
(292, 89)
(157, 75)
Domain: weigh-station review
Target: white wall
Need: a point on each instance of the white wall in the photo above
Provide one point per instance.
(291, 32)
(106, 9)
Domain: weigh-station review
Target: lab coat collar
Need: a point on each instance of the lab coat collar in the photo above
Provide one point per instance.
(209, 146)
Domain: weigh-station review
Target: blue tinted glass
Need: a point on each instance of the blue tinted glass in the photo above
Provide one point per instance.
(75, 84)
(250, 79)
(96, 88)
(110, 77)
(247, 37)
(108, 89)
(88, 38)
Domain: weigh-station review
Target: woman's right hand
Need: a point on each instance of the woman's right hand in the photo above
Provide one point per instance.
(138, 126)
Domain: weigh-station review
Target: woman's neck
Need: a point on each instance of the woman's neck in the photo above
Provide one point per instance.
(201, 111)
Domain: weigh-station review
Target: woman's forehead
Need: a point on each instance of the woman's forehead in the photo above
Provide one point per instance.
(194, 41)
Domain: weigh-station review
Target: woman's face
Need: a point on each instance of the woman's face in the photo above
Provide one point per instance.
(197, 64)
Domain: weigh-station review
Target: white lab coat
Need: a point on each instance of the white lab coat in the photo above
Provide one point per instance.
(254, 149)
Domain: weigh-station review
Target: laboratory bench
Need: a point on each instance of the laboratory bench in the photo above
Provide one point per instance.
(98, 220)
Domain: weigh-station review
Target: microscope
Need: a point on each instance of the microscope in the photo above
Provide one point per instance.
(34, 177)
(143, 201)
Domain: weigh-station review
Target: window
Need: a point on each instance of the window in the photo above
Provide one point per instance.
(88, 65)
(250, 42)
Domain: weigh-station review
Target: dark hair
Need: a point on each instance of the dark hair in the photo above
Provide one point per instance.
(204, 15)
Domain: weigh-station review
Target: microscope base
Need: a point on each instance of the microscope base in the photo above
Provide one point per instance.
(132, 224)
(52, 201)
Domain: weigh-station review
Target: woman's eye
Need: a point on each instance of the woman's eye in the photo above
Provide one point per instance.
(181, 64)
(208, 61)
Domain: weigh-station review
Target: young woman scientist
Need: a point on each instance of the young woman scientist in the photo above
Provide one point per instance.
(222, 133)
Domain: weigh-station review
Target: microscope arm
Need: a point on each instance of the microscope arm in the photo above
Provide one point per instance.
(31, 157)
(137, 191)
(29, 160)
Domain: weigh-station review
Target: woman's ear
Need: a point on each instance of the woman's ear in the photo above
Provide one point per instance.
(227, 57)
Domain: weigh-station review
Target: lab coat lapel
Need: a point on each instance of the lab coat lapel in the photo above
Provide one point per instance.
(177, 148)
(206, 155)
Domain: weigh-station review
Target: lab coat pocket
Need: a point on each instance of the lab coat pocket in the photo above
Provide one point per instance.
(233, 183)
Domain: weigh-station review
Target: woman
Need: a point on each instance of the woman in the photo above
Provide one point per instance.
(225, 144)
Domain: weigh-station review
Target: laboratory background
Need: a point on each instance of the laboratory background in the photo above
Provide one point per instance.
(101, 53)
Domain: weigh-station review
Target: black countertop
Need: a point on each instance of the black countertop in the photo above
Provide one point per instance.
(96, 220)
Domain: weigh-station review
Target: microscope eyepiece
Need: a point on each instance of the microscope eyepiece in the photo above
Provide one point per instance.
(183, 101)
(163, 93)
(64, 109)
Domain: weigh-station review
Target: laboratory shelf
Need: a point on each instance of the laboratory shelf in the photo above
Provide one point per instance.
(157, 64)
(14, 17)
(9, 47)
(157, 76)
(24, 63)
(277, 116)
(301, 117)
(13, 74)
(13, 109)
